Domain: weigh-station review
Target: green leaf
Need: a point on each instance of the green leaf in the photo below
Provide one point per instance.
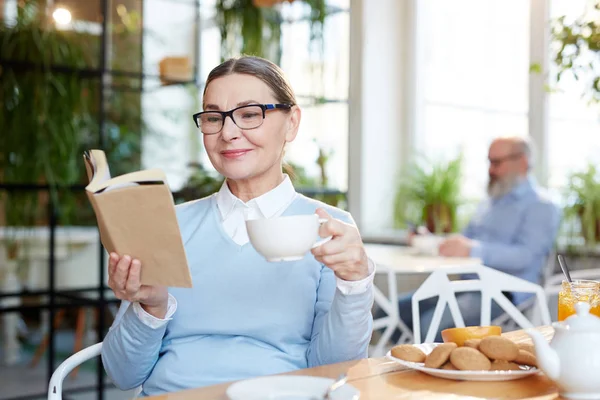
(429, 190)
(535, 68)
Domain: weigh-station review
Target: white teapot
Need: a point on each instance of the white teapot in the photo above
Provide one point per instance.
(572, 358)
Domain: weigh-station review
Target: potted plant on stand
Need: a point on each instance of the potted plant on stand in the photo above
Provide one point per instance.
(428, 194)
(583, 203)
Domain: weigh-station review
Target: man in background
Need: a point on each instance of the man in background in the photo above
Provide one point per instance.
(513, 231)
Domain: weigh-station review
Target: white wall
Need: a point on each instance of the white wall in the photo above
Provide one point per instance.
(381, 79)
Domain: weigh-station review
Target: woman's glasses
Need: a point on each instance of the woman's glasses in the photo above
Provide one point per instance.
(245, 117)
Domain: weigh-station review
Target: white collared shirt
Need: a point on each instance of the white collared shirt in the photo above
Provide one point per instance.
(234, 213)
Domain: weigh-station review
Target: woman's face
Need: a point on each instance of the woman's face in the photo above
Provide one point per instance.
(252, 153)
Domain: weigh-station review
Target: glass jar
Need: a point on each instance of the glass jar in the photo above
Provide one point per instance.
(576, 291)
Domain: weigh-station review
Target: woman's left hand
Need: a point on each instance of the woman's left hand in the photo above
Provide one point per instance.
(344, 253)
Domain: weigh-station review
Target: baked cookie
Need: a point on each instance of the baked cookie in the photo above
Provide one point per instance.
(527, 347)
(474, 343)
(526, 358)
(408, 352)
(500, 365)
(469, 359)
(439, 355)
(499, 348)
(449, 366)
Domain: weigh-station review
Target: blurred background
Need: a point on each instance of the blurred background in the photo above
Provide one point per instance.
(400, 99)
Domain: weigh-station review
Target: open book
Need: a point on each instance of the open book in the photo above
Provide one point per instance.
(136, 217)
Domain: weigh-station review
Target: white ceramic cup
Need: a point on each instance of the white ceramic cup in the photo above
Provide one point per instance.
(286, 238)
(427, 244)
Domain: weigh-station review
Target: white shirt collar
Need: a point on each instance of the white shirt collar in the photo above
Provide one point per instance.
(270, 204)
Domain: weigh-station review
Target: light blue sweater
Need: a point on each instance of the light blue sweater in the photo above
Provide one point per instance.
(244, 317)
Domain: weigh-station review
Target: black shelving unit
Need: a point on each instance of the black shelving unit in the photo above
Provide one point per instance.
(68, 299)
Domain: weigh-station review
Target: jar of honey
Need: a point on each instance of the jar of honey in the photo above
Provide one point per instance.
(575, 292)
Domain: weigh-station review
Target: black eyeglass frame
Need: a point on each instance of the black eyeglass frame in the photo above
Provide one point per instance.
(501, 160)
(225, 114)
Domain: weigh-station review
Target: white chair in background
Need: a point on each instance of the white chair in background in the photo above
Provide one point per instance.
(59, 375)
(528, 307)
(491, 283)
(548, 271)
(554, 283)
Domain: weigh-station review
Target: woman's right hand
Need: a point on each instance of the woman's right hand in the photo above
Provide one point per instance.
(124, 280)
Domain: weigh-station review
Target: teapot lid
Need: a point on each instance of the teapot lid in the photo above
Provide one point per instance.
(583, 320)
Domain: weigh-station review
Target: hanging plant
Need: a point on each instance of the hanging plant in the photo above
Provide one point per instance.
(268, 3)
(578, 49)
(248, 29)
(318, 13)
(253, 27)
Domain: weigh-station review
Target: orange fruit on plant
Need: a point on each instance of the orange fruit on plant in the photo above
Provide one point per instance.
(460, 335)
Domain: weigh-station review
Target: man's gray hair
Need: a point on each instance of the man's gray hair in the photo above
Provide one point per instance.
(524, 145)
(528, 149)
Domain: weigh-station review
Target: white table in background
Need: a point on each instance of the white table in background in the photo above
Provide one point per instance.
(393, 260)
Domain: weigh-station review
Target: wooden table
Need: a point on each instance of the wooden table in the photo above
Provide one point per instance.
(393, 260)
(380, 379)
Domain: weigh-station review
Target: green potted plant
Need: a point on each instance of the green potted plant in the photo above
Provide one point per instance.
(428, 193)
(46, 112)
(583, 203)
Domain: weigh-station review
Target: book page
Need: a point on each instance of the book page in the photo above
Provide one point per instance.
(104, 174)
(97, 169)
(120, 185)
(145, 176)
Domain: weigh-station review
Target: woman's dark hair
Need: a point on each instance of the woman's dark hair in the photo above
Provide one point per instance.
(260, 68)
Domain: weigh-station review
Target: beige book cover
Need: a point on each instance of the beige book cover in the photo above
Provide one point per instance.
(136, 216)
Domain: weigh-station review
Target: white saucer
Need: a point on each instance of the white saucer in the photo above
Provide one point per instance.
(288, 388)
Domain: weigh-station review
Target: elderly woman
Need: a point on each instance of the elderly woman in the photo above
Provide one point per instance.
(244, 317)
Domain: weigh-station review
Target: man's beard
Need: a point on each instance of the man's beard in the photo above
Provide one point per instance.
(498, 187)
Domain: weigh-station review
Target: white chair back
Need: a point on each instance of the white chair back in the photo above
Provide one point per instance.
(548, 270)
(528, 307)
(59, 375)
(491, 283)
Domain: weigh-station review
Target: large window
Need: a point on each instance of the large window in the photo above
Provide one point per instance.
(574, 123)
(319, 76)
(472, 68)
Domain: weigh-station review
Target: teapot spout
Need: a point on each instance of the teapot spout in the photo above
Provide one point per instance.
(546, 356)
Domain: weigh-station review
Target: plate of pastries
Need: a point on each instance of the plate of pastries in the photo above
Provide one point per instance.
(470, 354)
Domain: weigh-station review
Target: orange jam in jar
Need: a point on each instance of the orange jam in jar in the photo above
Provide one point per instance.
(575, 292)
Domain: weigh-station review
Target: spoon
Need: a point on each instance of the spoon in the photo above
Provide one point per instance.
(341, 381)
(565, 269)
